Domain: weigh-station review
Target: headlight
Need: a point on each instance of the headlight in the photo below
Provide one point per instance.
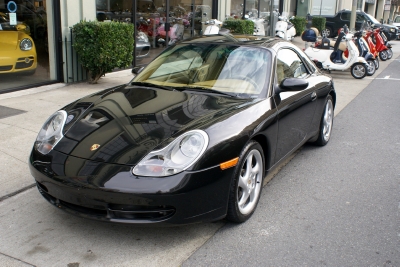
(392, 29)
(51, 132)
(26, 44)
(143, 37)
(179, 155)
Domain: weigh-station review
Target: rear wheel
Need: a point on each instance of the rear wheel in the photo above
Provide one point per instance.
(359, 70)
(383, 55)
(371, 68)
(247, 183)
(328, 32)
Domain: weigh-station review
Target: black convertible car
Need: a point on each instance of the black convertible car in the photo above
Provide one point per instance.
(190, 138)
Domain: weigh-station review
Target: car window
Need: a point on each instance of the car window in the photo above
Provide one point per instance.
(225, 68)
(289, 65)
(345, 16)
(397, 19)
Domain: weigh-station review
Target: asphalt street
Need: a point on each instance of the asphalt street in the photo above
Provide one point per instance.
(338, 205)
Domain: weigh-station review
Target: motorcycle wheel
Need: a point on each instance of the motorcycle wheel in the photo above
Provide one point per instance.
(376, 61)
(383, 55)
(359, 70)
(389, 53)
(370, 67)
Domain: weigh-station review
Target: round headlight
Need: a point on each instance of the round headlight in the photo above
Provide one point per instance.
(176, 157)
(51, 132)
(26, 44)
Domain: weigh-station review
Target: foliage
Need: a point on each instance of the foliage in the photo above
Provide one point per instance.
(319, 23)
(239, 26)
(299, 24)
(103, 46)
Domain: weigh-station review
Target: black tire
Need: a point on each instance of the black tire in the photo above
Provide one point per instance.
(358, 70)
(325, 126)
(371, 67)
(376, 61)
(383, 55)
(389, 53)
(329, 32)
(250, 179)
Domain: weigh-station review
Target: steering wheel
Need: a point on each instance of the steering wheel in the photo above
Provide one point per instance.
(247, 79)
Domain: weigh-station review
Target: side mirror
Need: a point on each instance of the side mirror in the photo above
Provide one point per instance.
(137, 70)
(293, 84)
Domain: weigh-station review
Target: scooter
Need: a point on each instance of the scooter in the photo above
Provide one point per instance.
(363, 52)
(285, 29)
(386, 42)
(367, 38)
(213, 27)
(380, 45)
(324, 57)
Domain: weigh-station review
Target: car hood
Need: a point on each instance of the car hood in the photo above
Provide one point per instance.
(8, 40)
(124, 124)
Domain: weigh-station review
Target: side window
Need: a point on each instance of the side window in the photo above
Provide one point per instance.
(345, 16)
(289, 65)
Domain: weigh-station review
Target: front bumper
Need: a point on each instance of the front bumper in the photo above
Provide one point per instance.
(24, 61)
(109, 192)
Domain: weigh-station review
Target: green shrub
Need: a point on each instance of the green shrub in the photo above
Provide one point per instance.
(319, 23)
(103, 46)
(239, 26)
(299, 24)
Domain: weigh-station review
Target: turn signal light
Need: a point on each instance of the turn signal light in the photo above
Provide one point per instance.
(228, 164)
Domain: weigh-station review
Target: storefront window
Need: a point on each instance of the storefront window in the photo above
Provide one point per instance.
(24, 45)
(186, 20)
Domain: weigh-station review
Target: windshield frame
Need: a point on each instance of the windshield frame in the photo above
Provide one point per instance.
(254, 84)
(374, 20)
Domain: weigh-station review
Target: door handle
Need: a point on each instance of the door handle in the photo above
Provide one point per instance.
(313, 96)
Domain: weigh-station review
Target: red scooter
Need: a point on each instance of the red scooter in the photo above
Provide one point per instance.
(380, 45)
(372, 48)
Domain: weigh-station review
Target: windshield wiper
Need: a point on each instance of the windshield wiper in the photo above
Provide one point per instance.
(206, 90)
(153, 85)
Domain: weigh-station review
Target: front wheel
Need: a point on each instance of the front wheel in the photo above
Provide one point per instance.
(371, 68)
(325, 127)
(383, 55)
(328, 32)
(359, 70)
(389, 53)
(247, 183)
(376, 61)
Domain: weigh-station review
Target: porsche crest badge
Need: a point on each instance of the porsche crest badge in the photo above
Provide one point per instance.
(94, 147)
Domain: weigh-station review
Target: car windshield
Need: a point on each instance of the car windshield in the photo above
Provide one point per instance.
(397, 19)
(228, 69)
(374, 20)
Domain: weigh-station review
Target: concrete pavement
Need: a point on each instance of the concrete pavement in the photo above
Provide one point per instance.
(34, 232)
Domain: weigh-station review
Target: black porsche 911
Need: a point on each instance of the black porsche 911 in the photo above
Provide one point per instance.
(190, 138)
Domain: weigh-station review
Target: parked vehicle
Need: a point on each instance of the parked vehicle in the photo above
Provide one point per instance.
(190, 138)
(396, 22)
(331, 59)
(17, 50)
(337, 21)
(380, 44)
(364, 52)
(285, 29)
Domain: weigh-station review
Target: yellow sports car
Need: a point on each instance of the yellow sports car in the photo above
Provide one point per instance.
(17, 49)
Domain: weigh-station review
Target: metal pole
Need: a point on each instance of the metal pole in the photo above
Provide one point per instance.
(134, 33)
(244, 9)
(320, 8)
(352, 25)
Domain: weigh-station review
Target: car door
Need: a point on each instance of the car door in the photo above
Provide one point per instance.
(295, 108)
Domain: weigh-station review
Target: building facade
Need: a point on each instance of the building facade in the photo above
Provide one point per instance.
(47, 54)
